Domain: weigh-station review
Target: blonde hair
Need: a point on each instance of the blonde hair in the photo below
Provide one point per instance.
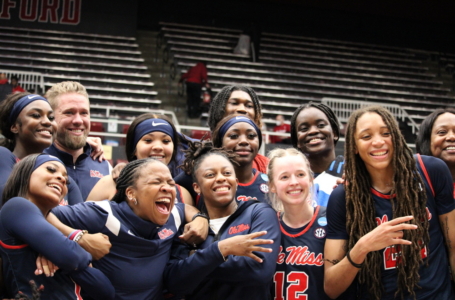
(63, 88)
(277, 153)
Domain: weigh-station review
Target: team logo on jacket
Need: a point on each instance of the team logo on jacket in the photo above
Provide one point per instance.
(264, 188)
(165, 233)
(94, 173)
(238, 228)
(245, 198)
(320, 233)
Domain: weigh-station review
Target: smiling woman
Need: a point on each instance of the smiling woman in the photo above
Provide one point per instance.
(28, 124)
(37, 184)
(381, 221)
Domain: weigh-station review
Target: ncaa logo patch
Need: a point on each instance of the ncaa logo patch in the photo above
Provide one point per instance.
(322, 221)
(320, 233)
(264, 177)
(264, 188)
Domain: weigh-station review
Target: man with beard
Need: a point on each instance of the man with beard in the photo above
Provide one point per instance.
(71, 106)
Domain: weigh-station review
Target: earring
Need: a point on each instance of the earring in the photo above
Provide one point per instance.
(134, 200)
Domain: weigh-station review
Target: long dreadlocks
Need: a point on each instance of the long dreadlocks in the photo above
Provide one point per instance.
(217, 109)
(410, 199)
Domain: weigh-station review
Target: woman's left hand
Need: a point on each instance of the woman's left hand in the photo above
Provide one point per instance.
(97, 148)
(195, 232)
(46, 266)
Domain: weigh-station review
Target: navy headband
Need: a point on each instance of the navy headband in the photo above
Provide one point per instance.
(42, 158)
(21, 103)
(239, 119)
(152, 125)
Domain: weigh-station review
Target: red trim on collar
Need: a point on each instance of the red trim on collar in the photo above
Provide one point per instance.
(315, 214)
(379, 194)
(252, 180)
(16, 247)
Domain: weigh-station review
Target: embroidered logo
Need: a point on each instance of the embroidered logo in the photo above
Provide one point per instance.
(264, 188)
(157, 124)
(239, 228)
(94, 173)
(33, 96)
(320, 233)
(165, 233)
(298, 255)
(245, 198)
(322, 221)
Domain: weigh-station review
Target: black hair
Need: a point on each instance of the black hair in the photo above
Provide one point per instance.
(217, 109)
(6, 107)
(129, 175)
(423, 140)
(130, 147)
(334, 123)
(218, 139)
(18, 181)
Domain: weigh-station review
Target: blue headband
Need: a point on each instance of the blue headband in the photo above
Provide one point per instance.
(239, 119)
(42, 158)
(21, 103)
(152, 125)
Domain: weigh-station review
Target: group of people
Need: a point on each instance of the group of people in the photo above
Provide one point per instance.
(213, 219)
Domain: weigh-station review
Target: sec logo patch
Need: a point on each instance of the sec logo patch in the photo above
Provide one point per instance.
(320, 233)
(264, 188)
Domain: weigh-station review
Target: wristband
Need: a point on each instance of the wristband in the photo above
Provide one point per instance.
(358, 266)
(79, 235)
(199, 214)
(73, 234)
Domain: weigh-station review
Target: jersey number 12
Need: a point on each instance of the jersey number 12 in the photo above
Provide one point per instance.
(298, 284)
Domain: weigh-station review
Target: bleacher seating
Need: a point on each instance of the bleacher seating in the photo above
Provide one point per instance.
(110, 67)
(294, 70)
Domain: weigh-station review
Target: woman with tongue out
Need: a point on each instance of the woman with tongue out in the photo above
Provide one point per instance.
(437, 137)
(389, 224)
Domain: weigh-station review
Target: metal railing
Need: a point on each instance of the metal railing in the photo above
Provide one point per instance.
(29, 81)
(343, 109)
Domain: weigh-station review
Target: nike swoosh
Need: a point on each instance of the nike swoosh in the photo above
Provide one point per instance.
(33, 96)
(157, 124)
(130, 233)
(241, 118)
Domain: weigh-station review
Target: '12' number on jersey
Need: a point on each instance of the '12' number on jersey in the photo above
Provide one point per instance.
(298, 284)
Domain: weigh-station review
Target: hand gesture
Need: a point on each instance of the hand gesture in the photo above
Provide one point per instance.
(244, 245)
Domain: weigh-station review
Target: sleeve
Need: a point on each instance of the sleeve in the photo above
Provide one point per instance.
(41, 236)
(442, 182)
(180, 272)
(74, 194)
(94, 283)
(336, 215)
(7, 162)
(86, 216)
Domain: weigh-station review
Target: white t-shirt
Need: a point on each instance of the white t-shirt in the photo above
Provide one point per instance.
(215, 224)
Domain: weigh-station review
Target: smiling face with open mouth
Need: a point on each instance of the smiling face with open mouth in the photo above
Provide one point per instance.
(373, 142)
(314, 132)
(35, 125)
(157, 145)
(154, 192)
(216, 181)
(443, 138)
(48, 185)
(243, 139)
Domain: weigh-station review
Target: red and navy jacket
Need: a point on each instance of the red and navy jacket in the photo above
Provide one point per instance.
(434, 279)
(25, 233)
(85, 172)
(205, 274)
(140, 249)
(300, 265)
(7, 162)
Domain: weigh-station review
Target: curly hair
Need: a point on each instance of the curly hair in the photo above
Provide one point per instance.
(130, 147)
(217, 109)
(360, 208)
(334, 123)
(277, 153)
(197, 152)
(423, 140)
(6, 107)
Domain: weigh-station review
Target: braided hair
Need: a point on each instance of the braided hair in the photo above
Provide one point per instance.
(129, 175)
(6, 108)
(334, 123)
(360, 209)
(423, 141)
(217, 109)
(197, 152)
